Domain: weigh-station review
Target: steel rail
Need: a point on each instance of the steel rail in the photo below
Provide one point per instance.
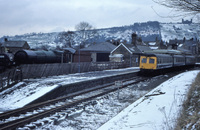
(22, 121)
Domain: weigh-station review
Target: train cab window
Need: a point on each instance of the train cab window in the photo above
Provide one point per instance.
(151, 61)
(144, 60)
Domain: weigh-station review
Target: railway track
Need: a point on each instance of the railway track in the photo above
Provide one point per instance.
(22, 116)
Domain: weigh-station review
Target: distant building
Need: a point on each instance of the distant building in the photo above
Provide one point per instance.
(173, 44)
(13, 46)
(68, 54)
(188, 46)
(95, 53)
(129, 52)
(157, 44)
(186, 21)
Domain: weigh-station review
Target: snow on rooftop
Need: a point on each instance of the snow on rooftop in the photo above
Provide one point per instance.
(152, 43)
(154, 47)
(156, 111)
(116, 55)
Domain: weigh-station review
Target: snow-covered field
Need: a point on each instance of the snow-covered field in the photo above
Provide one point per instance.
(155, 112)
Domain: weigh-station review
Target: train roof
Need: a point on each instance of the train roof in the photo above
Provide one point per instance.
(165, 51)
(154, 54)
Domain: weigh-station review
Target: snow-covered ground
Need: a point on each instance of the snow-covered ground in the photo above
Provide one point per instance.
(29, 90)
(158, 110)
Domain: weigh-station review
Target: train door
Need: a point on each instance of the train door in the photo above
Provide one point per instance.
(143, 62)
(152, 62)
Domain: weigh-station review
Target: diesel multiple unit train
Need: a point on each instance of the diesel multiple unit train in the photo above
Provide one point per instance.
(156, 61)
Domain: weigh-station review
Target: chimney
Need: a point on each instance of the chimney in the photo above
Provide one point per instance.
(5, 39)
(134, 39)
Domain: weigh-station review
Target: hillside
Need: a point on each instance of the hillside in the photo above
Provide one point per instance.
(148, 31)
(179, 31)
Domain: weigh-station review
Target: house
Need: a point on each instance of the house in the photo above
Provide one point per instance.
(128, 53)
(173, 44)
(191, 45)
(13, 46)
(157, 44)
(153, 45)
(187, 46)
(96, 53)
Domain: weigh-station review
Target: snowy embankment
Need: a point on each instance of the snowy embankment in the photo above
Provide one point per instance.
(159, 109)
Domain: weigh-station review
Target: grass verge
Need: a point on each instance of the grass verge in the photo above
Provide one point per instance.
(190, 115)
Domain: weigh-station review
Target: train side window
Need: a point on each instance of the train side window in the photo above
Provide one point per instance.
(144, 60)
(151, 61)
(164, 60)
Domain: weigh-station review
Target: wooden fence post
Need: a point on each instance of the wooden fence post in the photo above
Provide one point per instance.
(8, 79)
(1, 82)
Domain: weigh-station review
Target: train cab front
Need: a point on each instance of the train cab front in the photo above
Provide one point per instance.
(148, 64)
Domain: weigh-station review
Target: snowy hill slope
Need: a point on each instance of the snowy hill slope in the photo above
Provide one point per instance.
(179, 31)
(148, 31)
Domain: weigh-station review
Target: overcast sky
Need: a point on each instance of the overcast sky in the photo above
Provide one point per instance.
(26, 16)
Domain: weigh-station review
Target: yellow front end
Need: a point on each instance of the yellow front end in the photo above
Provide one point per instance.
(148, 62)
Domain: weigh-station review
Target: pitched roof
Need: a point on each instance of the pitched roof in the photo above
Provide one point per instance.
(152, 43)
(72, 50)
(13, 43)
(175, 41)
(101, 47)
(133, 49)
(190, 43)
(143, 48)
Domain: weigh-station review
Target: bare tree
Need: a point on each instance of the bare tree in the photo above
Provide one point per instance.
(67, 38)
(85, 30)
(191, 7)
(83, 26)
